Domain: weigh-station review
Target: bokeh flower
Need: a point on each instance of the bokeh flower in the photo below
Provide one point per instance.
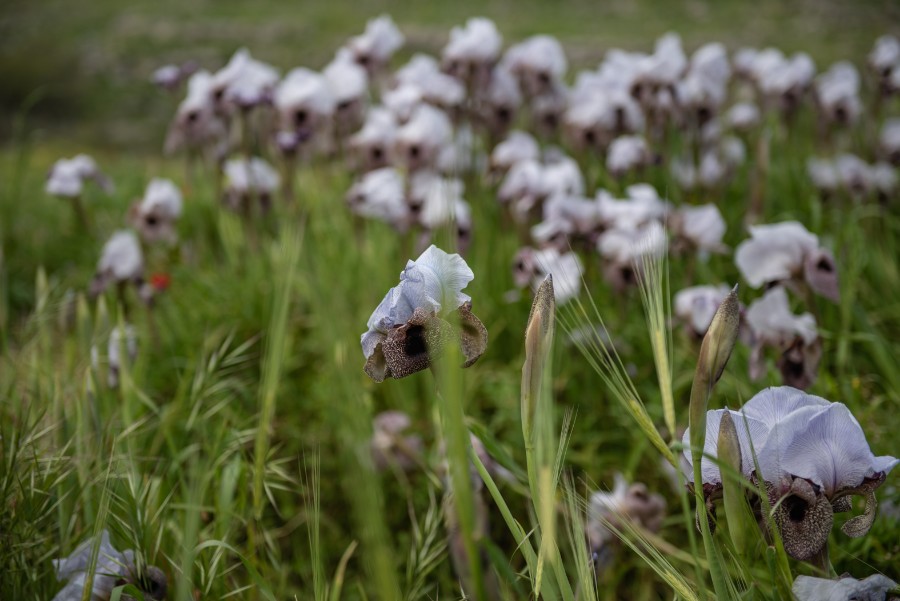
(787, 252)
(155, 215)
(391, 446)
(67, 177)
(608, 510)
(121, 263)
(794, 337)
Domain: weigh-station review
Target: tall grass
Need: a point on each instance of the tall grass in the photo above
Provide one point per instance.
(234, 454)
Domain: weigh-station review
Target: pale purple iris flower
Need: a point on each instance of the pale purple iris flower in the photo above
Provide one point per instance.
(249, 180)
(306, 105)
(112, 568)
(374, 48)
(155, 214)
(67, 177)
(121, 263)
(606, 511)
(696, 306)
(409, 327)
(539, 64)
(472, 51)
(787, 252)
(812, 456)
(873, 588)
(837, 94)
(380, 195)
(794, 337)
(531, 267)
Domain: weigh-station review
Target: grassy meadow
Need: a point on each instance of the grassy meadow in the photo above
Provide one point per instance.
(234, 454)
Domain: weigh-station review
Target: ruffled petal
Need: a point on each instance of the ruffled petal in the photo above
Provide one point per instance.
(774, 252)
(444, 276)
(827, 447)
(775, 403)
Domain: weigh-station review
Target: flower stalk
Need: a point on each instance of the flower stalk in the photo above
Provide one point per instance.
(714, 354)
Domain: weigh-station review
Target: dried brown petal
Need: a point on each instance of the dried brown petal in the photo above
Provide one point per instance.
(473, 336)
(376, 366)
(860, 525)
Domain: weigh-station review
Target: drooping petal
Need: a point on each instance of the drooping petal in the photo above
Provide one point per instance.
(369, 340)
(771, 320)
(804, 519)
(861, 524)
(820, 272)
(411, 347)
(473, 336)
(829, 448)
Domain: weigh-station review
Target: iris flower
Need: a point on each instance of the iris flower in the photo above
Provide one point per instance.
(631, 502)
(873, 588)
(410, 328)
(787, 252)
(772, 324)
(156, 213)
(112, 568)
(812, 456)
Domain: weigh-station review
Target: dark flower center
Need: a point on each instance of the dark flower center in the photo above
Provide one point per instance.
(415, 344)
(796, 508)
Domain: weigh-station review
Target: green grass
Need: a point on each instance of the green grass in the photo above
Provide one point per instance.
(234, 454)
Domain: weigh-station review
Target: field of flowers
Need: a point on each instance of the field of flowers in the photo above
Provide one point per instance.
(321, 302)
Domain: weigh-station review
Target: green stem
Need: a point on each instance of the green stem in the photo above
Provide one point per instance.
(456, 437)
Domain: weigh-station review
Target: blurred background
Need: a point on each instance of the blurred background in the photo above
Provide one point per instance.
(80, 70)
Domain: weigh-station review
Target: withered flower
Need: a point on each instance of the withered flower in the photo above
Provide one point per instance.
(414, 322)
